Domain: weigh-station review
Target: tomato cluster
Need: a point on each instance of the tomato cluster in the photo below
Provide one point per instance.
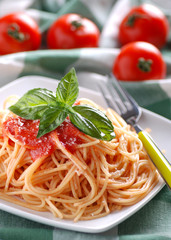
(19, 32)
(142, 32)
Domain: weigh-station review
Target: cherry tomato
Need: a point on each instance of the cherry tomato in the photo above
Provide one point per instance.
(139, 61)
(18, 32)
(144, 23)
(72, 31)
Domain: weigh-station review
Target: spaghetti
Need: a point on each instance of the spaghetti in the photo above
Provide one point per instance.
(77, 177)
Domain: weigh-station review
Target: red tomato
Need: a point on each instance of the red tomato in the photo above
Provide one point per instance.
(72, 31)
(144, 23)
(139, 61)
(18, 32)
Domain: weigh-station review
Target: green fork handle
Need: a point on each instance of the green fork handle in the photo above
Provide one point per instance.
(159, 160)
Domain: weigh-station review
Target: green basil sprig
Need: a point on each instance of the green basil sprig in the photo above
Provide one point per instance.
(52, 109)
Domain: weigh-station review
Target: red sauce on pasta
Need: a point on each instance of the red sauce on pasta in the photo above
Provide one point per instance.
(69, 135)
(25, 132)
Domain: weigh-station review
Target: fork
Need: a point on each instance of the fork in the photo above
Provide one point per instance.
(118, 99)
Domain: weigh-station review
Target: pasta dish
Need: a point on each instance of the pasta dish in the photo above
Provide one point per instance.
(69, 173)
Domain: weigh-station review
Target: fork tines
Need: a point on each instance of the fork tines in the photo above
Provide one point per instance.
(118, 99)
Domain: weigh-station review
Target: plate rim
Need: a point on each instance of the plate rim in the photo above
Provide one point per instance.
(57, 222)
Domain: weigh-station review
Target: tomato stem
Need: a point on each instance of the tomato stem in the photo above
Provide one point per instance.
(132, 18)
(77, 23)
(14, 32)
(144, 65)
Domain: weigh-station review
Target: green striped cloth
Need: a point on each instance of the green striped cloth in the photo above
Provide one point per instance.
(153, 221)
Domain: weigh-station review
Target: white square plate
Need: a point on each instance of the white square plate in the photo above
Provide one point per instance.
(161, 132)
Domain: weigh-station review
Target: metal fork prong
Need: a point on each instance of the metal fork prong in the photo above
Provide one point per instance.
(117, 98)
(112, 104)
(132, 107)
(118, 88)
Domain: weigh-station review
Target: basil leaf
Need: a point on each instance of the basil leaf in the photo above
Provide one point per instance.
(67, 90)
(51, 109)
(50, 120)
(34, 103)
(92, 122)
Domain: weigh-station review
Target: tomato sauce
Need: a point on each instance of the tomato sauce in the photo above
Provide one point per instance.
(25, 131)
(69, 135)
